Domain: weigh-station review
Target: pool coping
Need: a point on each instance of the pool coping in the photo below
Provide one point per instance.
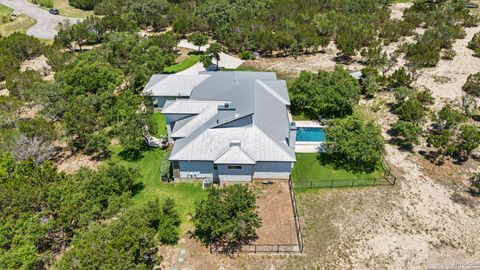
(309, 124)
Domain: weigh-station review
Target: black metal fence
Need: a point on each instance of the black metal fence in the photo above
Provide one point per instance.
(387, 179)
(271, 248)
(254, 248)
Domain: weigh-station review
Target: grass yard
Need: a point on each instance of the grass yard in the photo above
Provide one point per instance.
(5, 11)
(66, 10)
(308, 168)
(150, 167)
(300, 117)
(20, 24)
(184, 64)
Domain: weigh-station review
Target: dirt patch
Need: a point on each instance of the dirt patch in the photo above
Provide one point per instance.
(40, 65)
(312, 62)
(69, 162)
(275, 208)
(447, 78)
(397, 10)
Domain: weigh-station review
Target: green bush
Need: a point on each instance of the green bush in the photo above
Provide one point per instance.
(247, 55)
(8, 65)
(46, 3)
(474, 44)
(448, 54)
(472, 86)
(84, 4)
(21, 46)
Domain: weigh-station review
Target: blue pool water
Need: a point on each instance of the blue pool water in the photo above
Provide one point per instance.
(307, 134)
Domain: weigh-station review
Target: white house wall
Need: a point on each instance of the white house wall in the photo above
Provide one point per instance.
(272, 170)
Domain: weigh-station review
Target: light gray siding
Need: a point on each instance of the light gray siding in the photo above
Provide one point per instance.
(235, 175)
(272, 170)
(196, 169)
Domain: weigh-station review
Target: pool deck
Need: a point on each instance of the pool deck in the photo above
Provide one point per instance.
(308, 147)
(311, 124)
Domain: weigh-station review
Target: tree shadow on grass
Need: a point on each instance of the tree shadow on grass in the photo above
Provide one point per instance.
(196, 52)
(339, 163)
(137, 187)
(132, 155)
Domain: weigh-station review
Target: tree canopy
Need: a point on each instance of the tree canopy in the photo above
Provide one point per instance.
(325, 94)
(353, 145)
(228, 217)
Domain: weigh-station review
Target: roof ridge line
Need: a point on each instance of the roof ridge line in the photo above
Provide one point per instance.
(271, 91)
(261, 131)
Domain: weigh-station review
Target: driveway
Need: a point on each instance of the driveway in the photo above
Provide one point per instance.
(46, 27)
(226, 61)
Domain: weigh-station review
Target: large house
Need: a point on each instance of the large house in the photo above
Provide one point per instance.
(227, 126)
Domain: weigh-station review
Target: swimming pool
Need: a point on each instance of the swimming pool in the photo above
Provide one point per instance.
(310, 134)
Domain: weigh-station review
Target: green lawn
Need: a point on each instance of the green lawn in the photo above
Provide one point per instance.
(5, 11)
(299, 117)
(66, 10)
(186, 63)
(309, 169)
(149, 165)
(20, 24)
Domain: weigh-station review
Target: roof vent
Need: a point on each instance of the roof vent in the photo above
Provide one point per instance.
(235, 143)
(226, 107)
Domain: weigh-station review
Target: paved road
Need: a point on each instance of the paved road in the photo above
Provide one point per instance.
(46, 27)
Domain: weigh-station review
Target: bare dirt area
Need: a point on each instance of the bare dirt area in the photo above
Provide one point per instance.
(447, 78)
(275, 208)
(69, 162)
(40, 65)
(72, 163)
(413, 225)
(278, 227)
(397, 10)
(311, 62)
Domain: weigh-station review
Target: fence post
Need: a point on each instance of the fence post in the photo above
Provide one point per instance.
(278, 248)
(353, 182)
(374, 181)
(331, 185)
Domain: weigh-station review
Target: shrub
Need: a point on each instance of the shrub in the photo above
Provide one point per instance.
(408, 131)
(8, 65)
(84, 4)
(474, 44)
(21, 46)
(46, 3)
(448, 54)
(475, 184)
(472, 86)
(247, 55)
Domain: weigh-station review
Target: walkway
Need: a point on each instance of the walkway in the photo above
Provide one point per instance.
(46, 27)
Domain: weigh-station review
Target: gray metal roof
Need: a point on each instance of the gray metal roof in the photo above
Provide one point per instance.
(205, 136)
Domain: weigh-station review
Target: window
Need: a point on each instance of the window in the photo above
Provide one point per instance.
(234, 167)
(215, 167)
